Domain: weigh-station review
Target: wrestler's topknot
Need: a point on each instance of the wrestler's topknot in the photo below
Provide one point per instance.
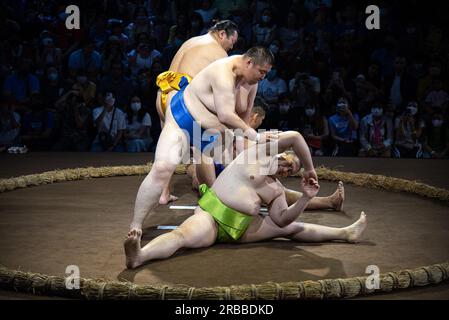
(260, 55)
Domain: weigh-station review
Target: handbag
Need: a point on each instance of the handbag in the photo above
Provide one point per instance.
(106, 139)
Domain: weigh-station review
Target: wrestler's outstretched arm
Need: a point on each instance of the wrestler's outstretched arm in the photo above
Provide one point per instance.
(282, 214)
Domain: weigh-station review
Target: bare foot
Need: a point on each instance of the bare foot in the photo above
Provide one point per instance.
(132, 249)
(338, 197)
(165, 200)
(355, 230)
(136, 228)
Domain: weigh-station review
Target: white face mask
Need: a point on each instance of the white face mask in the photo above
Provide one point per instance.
(135, 106)
(412, 110)
(377, 112)
(437, 122)
(266, 19)
(310, 112)
(110, 101)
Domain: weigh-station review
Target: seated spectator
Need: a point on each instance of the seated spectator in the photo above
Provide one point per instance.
(21, 85)
(86, 88)
(85, 58)
(270, 89)
(143, 57)
(304, 88)
(137, 134)
(197, 25)
(314, 128)
(9, 125)
(110, 122)
(140, 24)
(117, 31)
(400, 87)
(113, 52)
(408, 129)
(116, 81)
(376, 134)
(437, 98)
(75, 118)
(99, 33)
(265, 30)
(207, 12)
(336, 88)
(436, 138)
(38, 126)
(285, 122)
(52, 87)
(48, 54)
(343, 129)
(182, 26)
(290, 34)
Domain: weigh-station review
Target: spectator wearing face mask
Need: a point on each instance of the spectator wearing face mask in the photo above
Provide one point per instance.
(86, 88)
(437, 98)
(143, 57)
(314, 128)
(85, 58)
(285, 122)
(48, 54)
(436, 138)
(376, 134)
(270, 89)
(116, 81)
(265, 30)
(52, 87)
(290, 33)
(343, 127)
(74, 117)
(21, 85)
(110, 122)
(408, 129)
(137, 134)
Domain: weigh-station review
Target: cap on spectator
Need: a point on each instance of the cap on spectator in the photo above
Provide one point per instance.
(360, 77)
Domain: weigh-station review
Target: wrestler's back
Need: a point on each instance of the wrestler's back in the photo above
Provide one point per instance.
(196, 54)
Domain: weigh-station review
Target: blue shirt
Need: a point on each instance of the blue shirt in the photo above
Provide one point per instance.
(78, 60)
(341, 127)
(21, 88)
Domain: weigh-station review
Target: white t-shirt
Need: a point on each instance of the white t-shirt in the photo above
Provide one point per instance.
(270, 90)
(134, 126)
(143, 62)
(119, 122)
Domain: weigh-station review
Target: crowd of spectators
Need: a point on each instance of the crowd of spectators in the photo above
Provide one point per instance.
(350, 91)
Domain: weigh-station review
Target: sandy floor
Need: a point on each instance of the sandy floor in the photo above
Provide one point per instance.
(46, 228)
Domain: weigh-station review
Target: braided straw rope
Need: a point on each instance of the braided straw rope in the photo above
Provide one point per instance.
(322, 289)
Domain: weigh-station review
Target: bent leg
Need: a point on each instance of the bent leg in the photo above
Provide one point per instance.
(334, 201)
(170, 149)
(205, 171)
(198, 231)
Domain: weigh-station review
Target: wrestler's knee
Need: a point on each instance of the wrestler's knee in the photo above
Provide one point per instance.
(162, 170)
